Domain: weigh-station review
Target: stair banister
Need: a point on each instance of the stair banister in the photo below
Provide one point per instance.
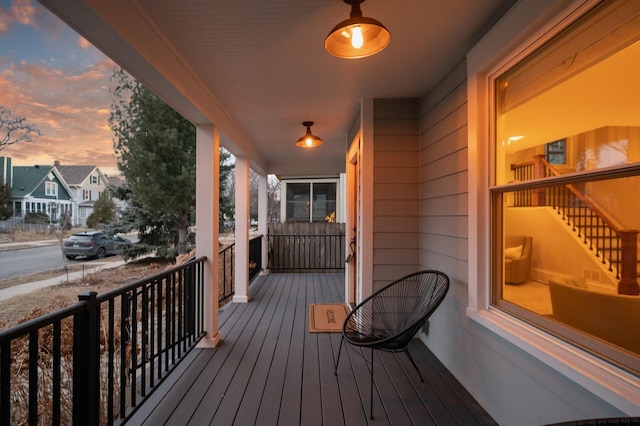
(628, 283)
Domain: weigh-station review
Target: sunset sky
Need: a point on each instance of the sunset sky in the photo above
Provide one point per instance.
(57, 81)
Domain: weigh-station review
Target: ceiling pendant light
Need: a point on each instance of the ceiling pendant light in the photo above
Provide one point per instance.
(309, 140)
(358, 36)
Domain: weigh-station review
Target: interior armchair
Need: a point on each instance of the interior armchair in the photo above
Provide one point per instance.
(517, 258)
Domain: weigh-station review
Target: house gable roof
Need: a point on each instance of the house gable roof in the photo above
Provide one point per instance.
(26, 179)
(29, 181)
(76, 175)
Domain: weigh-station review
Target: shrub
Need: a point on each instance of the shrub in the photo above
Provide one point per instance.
(36, 217)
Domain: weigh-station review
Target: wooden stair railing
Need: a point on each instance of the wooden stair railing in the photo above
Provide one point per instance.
(614, 245)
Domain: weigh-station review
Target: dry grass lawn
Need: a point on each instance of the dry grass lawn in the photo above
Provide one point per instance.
(19, 308)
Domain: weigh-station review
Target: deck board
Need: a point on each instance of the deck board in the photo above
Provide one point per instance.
(270, 370)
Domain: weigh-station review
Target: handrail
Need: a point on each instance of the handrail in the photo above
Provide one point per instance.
(611, 222)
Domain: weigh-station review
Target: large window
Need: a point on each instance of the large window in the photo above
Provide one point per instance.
(311, 201)
(566, 177)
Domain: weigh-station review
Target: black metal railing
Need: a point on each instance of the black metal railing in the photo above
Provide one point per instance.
(255, 257)
(94, 362)
(300, 252)
(227, 264)
(226, 288)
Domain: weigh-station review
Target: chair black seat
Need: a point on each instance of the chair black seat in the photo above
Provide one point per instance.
(389, 318)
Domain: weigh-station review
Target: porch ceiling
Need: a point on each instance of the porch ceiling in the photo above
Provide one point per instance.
(257, 69)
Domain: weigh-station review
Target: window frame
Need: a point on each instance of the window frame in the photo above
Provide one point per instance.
(51, 189)
(310, 182)
(525, 28)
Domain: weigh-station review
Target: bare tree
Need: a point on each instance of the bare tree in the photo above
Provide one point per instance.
(14, 129)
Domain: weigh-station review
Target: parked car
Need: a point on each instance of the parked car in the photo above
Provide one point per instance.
(92, 244)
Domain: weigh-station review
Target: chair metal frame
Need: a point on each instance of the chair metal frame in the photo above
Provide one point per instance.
(389, 318)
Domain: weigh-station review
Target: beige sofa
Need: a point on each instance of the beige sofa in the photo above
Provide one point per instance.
(611, 317)
(517, 262)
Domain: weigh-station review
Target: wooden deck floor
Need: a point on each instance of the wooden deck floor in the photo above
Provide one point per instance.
(269, 370)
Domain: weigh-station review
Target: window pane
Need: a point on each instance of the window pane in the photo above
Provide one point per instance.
(580, 87)
(567, 168)
(324, 201)
(298, 197)
(565, 259)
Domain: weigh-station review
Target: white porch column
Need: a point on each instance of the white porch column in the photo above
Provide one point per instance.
(207, 213)
(263, 209)
(242, 231)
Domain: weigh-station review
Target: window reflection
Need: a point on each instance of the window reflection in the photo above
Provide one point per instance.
(566, 182)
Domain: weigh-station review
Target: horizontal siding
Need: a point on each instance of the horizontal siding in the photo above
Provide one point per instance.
(395, 175)
(399, 240)
(446, 166)
(396, 159)
(384, 274)
(445, 204)
(396, 189)
(444, 200)
(395, 224)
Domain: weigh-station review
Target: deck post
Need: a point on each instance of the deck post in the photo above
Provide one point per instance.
(207, 217)
(242, 231)
(86, 362)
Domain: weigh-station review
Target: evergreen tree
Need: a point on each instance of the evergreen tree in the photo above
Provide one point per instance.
(104, 211)
(5, 202)
(155, 149)
(227, 193)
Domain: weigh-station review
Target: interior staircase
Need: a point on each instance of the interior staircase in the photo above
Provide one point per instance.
(608, 240)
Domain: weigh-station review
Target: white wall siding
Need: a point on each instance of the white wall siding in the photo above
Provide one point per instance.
(395, 189)
(443, 178)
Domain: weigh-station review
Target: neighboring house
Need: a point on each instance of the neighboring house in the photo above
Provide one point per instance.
(87, 184)
(40, 189)
(312, 199)
(6, 171)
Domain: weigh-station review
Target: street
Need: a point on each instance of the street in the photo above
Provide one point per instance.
(14, 263)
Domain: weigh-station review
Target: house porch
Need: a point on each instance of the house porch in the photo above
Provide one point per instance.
(269, 369)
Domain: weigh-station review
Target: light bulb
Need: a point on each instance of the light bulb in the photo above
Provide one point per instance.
(356, 39)
(309, 142)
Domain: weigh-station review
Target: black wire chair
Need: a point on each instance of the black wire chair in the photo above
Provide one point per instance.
(389, 318)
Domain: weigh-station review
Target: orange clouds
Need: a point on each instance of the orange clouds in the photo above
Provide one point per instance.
(71, 109)
(65, 94)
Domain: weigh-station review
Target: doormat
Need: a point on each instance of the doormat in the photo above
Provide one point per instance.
(327, 317)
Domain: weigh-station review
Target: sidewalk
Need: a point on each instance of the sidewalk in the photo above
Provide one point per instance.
(21, 289)
(4, 245)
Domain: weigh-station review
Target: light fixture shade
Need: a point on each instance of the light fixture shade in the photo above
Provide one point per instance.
(340, 41)
(309, 140)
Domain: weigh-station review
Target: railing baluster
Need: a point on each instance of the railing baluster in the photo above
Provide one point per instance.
(34, 349)
(111, 356)
(134, 347)
(143, 341)
(152, 342)
(124, 312)
(57, 366)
